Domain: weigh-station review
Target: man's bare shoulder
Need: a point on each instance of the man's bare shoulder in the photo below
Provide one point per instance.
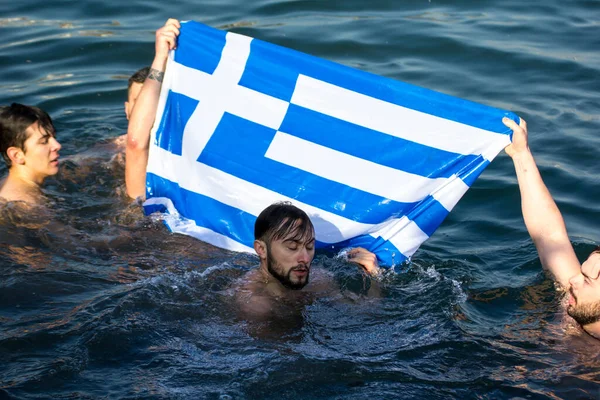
(10, 192)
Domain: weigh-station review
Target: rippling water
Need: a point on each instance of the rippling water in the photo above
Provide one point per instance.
(98, 301)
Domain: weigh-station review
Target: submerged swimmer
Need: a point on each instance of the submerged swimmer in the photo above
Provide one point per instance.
(285, 243)
(31, 152)
(546, 226)
(30, 149)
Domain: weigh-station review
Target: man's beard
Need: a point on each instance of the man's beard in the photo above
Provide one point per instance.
(285, 279)
(584, 314)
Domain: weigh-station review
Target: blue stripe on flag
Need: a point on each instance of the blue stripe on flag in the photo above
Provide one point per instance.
(375, 146)
(428, 215)
(470, 174)
(178, 110)
(238, 147)
(273, 70)
(200, 47)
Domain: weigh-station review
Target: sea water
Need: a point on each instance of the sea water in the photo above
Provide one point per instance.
(99, 301)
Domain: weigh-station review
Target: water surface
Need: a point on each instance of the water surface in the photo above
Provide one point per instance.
(98, 301)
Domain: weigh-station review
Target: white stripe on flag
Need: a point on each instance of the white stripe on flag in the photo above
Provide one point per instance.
(379, 115)
(349, 170)
(449, 194)
(403, 233)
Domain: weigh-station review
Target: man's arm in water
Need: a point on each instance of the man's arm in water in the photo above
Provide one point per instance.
(144, 112)
(543, 220)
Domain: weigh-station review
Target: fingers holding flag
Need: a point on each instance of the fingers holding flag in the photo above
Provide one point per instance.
(519, 141)
(166, 37)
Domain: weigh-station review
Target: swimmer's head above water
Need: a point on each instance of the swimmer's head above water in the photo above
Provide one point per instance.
(134, 86)
(29, 147)
(285, 243)
(584, 292)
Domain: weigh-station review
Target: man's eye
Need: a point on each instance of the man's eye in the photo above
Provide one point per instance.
(293, 248)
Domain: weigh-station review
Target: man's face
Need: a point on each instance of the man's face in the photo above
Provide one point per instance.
(584, 292)
(132, 95)
(40, 154)
(289, 259)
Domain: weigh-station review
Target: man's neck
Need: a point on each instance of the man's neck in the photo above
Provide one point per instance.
(593, 329)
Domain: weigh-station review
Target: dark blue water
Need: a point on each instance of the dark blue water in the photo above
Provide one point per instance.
(98, 301)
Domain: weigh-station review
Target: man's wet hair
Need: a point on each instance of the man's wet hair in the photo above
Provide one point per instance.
(596, 250)
(14, 121)
(280, 220)
(138, 76)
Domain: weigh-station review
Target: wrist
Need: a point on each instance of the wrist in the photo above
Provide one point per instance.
(521, 154)
(160, 61)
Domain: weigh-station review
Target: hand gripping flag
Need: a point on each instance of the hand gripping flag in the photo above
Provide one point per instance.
(374, 162)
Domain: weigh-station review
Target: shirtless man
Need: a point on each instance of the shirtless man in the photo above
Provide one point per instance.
(547, 228)
(285, 244)
(141, 117)
(30, 149)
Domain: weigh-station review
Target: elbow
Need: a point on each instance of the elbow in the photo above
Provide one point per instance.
(136, 145)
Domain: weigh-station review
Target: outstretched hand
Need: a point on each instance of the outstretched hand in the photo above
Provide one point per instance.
(519, 142)
(364, 258)
(166, 37)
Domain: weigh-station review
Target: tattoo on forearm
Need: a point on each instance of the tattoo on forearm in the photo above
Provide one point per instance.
(156, 75)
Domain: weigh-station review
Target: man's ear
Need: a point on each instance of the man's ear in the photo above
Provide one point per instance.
(261, 249)
(16, 155)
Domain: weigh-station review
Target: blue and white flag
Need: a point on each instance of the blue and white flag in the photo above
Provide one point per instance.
(374, 162)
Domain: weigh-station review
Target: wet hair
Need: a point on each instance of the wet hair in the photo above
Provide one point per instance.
(280, 220)
(14, 121)
(138, 76)
(596, 250)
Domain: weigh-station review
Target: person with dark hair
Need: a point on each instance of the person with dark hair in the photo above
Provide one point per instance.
(284, 239)
(134, 86)
(141, 117)
(547, 229)
(29, 147)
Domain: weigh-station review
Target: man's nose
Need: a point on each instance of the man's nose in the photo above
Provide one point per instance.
(576, 280)
(55, 145)
(304, 256)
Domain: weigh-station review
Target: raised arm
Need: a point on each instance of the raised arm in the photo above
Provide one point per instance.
(543, 220)
(144, 112)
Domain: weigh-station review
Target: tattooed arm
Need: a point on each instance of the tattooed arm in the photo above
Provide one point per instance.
(144, 112)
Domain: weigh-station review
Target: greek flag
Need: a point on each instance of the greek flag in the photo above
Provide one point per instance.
(374, 162)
